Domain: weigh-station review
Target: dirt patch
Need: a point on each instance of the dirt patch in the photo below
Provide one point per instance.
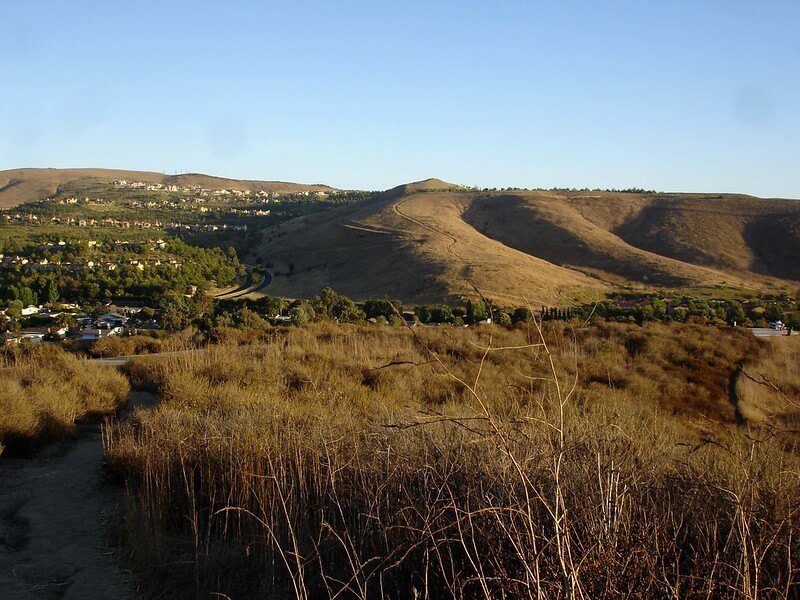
(55, 512)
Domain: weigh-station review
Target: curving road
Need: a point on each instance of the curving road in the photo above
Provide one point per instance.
(248, 286)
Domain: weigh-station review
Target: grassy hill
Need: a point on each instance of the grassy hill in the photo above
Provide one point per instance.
(431, 240)
(24, 185)
(416, 247)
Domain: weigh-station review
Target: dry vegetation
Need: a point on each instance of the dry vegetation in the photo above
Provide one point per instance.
(769, 390)
(538, 245)
(140, 344)
(45, 391)
(342, 461)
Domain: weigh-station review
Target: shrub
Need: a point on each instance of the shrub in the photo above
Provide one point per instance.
(45, 391)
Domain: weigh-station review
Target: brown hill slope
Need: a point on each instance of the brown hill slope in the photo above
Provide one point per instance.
(665, 240)
(415, 247)
(24, 185)
(215, 183)
(738, 234)
(541, 246)
(426, 185)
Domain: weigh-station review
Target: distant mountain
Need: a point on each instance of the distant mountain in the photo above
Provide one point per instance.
(431, 240)
(24, 185)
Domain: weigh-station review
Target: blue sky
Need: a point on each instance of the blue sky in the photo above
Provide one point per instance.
(684, 96)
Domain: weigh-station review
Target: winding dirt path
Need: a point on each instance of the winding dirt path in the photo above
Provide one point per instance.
(55, 511)
(453, 240)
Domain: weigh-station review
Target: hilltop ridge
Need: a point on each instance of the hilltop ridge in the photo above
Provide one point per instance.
(559, 248)
(431, 184)
(30, 184)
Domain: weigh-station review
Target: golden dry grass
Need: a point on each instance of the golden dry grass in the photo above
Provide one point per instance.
(343, 461)
(44, 391)
(421, 244)
(769, 389)
(416, 248)
(142, 344)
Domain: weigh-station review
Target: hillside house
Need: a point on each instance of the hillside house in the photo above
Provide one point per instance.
(34, 335)
(110, 319)
(92, 334)
(31, 310)
(106, 325)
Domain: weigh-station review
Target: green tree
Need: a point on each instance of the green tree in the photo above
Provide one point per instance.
(92, 290)
(27, 296)
(15, 308)
(502, 318)
(301, 313)
(522, 315)
(179, 312)
(273, 305)
(66, 320)
(423, 313)
(330, 306)
(659, 309)
(381, 307)
(477, 311)
(250, 319)
(773, 312)
(441, 314)
(735, 311)
(324, 303)
(347, 311)
(793, 320)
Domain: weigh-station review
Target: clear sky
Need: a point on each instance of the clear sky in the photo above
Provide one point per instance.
(684, 96)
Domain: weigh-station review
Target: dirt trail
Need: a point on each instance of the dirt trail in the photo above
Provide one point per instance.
(54, 514)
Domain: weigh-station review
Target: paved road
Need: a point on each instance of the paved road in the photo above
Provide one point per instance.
(248, 286)
(767, 332)
(247, 283)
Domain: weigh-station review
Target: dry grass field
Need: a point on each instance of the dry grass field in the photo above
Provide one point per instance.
(414, 247)
(44, 391)
(366, 462)
(769, 389)
(25, 185)
(423, 242)
(131, 345)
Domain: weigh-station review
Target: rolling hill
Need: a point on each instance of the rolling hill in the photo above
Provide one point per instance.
(428, 241)
(23, 185)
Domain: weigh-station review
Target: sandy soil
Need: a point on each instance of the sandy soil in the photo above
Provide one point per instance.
(55, 512)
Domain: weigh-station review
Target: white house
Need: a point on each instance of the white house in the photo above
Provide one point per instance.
(92, 334)
(109, 320)
(31, 310)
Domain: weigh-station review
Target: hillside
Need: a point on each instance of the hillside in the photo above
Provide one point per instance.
(431, 240)
(426, 185)
(24, 185)
(539, 247)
